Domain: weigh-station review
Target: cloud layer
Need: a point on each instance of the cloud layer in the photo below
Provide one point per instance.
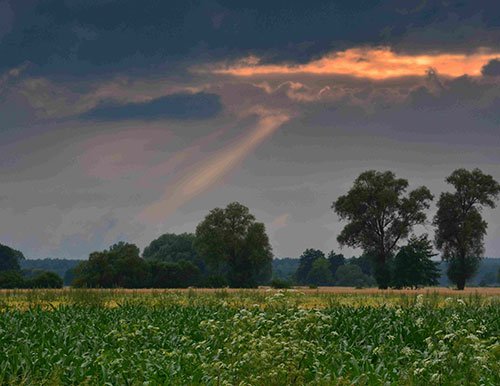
(126, 120)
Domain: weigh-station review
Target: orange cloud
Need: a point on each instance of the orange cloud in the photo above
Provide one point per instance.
(374, 63)
(209, 171)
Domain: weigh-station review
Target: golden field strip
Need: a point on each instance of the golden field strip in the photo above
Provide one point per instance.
(447, 291)
(322, 297)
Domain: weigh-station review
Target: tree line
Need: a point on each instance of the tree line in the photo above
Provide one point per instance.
(411, 267)
(230, 248)
(11, 277)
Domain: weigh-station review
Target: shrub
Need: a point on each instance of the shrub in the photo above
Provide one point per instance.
(47, 280)
(280, 284)
(11, 279)
(214, 281)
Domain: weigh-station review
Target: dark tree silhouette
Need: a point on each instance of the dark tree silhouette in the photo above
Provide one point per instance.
(233, 236)
(460, 226)
(305, 264)
(9, 258)
(380, 216)
(413, 265)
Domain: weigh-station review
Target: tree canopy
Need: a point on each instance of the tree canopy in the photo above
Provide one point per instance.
(232, 235)
(351, 275)
(413, 265)
(460, 226)
(166, 274)
(335, 261)
(120, 266)
(379, 215)
(9, 258)
(174, 248)
(308, 257)
(320, 273)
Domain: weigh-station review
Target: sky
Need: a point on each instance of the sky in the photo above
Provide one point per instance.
(127, 119)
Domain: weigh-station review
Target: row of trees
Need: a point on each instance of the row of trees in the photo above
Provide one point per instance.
(380, 216)
(411, 267)
(229, 248)
(122, 266)
(14, 279)
(11, 276)
(314, 268)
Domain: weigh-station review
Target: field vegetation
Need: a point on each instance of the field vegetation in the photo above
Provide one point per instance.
(249, 337)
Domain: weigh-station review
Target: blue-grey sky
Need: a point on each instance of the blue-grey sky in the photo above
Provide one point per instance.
(124, 120)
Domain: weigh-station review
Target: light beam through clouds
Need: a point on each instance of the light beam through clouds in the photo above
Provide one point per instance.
(209, 171)
(279, 222)
(374, 63)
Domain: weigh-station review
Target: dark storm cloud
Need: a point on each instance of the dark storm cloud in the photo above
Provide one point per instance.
(72, 37)
(492, 68)
(103, 113)
(6, 19)
(177, 106)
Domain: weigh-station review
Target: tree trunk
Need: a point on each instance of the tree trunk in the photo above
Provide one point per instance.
(463, 275)
(382, 272)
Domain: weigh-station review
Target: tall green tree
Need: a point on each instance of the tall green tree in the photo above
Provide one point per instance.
(232, 235)
(306, 261)
(413, 265)
(380, 215)
(460, 227)
(9, 258)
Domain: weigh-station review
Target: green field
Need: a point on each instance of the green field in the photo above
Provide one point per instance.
(247, 338)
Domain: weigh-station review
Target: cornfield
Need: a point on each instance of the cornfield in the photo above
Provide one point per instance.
(246, 338)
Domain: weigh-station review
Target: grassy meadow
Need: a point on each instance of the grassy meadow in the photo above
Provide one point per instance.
(326, 336)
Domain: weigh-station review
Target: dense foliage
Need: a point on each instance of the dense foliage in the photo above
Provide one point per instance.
(276, 344)
(285, 268)
(231, 235)
(413, 265)
(306, 260)
(62, 267)
(460, 226)
(174, 248)
(166, 274)
(45, 279)
(379, 216)
(120, 266)
(9, 258)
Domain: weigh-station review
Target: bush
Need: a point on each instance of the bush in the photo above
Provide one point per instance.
(47, 280)
(280, 284)
(214, 281)
(173, 275)
(14, 279)
(11, 279)
(351, 275)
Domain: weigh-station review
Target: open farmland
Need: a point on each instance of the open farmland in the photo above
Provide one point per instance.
(235, 337)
